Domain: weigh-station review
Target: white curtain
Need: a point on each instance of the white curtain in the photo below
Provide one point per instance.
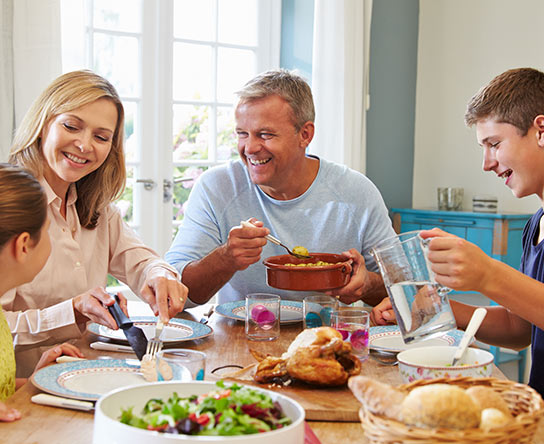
(340, 80)
(6, 77)
(36, 49)
(30, 58)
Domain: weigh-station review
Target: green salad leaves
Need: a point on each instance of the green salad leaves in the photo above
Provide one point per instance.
(233, 410)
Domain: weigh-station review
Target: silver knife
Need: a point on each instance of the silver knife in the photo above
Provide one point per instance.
(58, 401)
(135, 336)
(111, 347)
(206, 316)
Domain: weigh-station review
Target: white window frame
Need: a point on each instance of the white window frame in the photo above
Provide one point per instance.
(152, 215)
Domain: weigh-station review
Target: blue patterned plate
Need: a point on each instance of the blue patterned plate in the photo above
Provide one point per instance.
(177, 330)
(388, 338)
(290, 311)
(89, 379)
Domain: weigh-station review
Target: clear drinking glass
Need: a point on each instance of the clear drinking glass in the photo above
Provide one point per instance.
(353, 323)
(262, 316)
(317, 310)
(420, 304)
(182, 360)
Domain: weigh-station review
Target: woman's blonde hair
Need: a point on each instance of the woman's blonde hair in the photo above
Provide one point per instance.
(67, 93)
(23, 205)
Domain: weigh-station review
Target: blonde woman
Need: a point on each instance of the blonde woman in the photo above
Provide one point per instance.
(24, 248)
(71, 139)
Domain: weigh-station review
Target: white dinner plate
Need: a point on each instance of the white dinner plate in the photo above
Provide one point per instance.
(177, 330)
(388, 338)
(290, 311)
(89, 379)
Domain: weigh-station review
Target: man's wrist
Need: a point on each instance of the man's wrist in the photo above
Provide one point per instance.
(225, 259)
(373, 290)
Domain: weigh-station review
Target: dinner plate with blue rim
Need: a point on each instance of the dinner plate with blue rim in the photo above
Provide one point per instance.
(87, 380)
(387, 338)
(177, 330)
(290, 311)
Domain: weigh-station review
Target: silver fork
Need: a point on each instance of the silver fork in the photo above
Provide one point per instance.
(154, 345)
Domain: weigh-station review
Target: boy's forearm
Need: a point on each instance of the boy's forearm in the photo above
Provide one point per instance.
(520, 294)
(500, 327)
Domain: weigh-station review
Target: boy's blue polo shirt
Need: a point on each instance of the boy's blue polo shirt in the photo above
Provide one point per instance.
(532, 264)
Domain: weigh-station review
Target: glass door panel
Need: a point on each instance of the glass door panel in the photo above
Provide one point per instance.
(192, 72)
(194, 20)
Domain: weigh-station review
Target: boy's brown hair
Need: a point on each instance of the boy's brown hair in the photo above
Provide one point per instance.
(516, 97)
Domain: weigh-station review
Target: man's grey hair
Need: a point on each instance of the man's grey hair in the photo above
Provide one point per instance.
(288, 85)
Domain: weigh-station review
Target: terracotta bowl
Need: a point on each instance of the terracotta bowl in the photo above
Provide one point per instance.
(317, 278)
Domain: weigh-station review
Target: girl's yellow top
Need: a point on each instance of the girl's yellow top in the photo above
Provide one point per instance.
(7, 360)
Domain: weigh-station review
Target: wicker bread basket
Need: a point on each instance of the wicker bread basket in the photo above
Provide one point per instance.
(524, 403)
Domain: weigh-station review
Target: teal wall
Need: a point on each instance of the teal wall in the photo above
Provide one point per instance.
(297, 26)
(391, 117)
(393, 69)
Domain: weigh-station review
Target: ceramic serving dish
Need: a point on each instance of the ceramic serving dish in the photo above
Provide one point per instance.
(435, 362)
(108, 429)
(312, 278)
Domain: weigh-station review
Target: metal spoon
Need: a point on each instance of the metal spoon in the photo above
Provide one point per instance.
(473, 325)
(276, 241)
(384, 357)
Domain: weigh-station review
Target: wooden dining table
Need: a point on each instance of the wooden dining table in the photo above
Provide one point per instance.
(330, 412)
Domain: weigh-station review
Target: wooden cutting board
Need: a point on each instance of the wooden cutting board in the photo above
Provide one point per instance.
(228, 345)
(320, 404)
(324, 404)
(332, 403)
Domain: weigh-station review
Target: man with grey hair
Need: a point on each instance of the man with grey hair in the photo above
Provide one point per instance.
(284, 191)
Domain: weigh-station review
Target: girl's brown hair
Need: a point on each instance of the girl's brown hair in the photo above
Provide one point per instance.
(23, 205)
(67, 93)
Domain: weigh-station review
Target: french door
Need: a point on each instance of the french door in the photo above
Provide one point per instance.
(176, 65)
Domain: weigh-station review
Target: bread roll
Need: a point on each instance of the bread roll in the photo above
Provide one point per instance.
(486, 397)
(493, 418)
(440, 405)
(377, 397)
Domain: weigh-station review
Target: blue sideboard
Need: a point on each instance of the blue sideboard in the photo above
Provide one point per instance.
(497, 234)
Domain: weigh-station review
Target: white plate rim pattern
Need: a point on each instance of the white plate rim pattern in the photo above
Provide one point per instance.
(196, 330)
(50, 379)
(452, 338)
(231, 310)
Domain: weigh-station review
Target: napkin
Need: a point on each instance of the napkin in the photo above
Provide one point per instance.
(309, 435)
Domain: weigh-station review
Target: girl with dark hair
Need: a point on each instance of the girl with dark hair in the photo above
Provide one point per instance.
(24, 249)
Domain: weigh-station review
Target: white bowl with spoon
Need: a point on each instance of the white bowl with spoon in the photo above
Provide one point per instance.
(445, 361)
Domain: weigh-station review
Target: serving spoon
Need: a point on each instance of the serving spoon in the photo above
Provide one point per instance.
(272, 239)
(473, 325)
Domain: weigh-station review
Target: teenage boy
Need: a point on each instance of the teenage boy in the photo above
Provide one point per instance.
(509, 117)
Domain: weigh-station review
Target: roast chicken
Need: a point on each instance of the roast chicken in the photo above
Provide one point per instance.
(317, 356)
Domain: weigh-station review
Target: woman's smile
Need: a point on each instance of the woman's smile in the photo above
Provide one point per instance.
(77, 143)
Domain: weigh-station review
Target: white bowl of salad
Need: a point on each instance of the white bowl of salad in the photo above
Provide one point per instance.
(197, 412)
